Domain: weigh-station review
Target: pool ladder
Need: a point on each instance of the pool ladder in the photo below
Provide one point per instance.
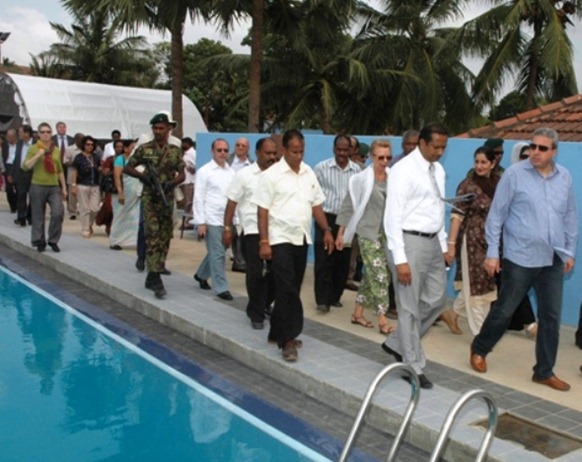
(412, 403)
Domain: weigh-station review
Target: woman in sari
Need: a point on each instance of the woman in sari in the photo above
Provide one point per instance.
(467, 242)
(126, 204)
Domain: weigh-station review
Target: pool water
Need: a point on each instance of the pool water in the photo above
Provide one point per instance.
(72, 391)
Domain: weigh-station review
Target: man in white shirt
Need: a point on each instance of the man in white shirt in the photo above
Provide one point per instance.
(238, 160)
(259, 278)
(109, 149)
(288, 196)
(212, 181)
(331, 271)
(414, 225)
(188, 185)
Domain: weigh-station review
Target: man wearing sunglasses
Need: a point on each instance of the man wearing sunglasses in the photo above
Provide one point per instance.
(534, 209)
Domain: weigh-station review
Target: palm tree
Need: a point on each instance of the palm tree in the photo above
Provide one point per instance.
(169, 15)
(419, 75)
(525, 40)
(90, 51)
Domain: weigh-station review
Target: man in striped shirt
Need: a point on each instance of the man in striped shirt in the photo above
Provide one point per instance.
(331, 271)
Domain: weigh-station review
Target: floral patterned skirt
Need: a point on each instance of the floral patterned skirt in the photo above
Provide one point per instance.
(373, 291)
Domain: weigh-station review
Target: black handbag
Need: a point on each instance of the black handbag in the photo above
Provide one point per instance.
(107, 184)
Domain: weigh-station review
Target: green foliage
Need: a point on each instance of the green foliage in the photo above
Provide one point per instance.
(215, 80)
(91, 50)
(510, 105)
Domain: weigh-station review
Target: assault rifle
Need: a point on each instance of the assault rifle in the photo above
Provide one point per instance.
(154, 180)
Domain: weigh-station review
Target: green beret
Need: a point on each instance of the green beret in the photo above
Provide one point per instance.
(494, 143)
(162, 118)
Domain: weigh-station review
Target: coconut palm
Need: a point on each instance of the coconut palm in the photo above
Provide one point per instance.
(525, 40)
(91, 50)
(165, 15)
(420, 75)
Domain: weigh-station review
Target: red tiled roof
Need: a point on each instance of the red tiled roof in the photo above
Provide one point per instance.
(564, 116)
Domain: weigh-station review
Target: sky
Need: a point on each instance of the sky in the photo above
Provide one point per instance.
(31, 33)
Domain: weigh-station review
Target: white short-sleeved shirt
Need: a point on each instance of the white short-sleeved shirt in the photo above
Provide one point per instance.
(212, 182)
(241, 191)
(289, 197)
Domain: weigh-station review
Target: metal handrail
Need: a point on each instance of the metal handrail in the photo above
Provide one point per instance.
(452, 415)
(415, 385)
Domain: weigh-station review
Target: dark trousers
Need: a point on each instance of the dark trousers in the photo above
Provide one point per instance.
(260, 287)
(288, 267)
(10, 190)
(40, 196)
(579, 331)
(141, 242)
(238, 263)
(548, 283)
(22, 202)
(331, 271)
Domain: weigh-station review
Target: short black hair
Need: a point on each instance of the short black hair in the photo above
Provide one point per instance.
(342, 137)
(261, 141)
(27, 129)
(289, 135)
(115, 132)
(427, 131)
(188, 140)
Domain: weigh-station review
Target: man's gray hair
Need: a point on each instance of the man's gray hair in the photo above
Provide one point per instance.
(548, 133)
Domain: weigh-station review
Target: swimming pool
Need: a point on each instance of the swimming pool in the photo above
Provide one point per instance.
(72, 391)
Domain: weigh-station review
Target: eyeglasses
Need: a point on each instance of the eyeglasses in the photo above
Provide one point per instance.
(541, 147)
(384, 157)
(221, 150)
(44, 131)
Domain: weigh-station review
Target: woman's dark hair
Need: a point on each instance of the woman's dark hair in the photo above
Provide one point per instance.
(87, 139)
(488, 152)
(127, 143)
(118, 141)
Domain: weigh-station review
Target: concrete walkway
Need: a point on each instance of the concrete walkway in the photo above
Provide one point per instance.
(333, 367)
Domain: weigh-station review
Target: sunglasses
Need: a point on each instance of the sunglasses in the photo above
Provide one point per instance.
(221, 150)
(44, 131)
(541, 147)
(384, 157)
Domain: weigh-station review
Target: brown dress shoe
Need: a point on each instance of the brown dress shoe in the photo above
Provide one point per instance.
(478, 363)
(290, 351)
(552, 382)
(451, 319)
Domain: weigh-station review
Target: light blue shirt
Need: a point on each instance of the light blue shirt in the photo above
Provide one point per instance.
(537, 215)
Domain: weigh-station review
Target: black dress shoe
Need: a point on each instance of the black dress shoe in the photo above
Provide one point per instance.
(115, 247)
(258, 325)
(20, 222)
(41, 247)
(390, 351)
(166, 272)
(203, 283)
(239, 269)
(424, 382)
(225, 296)
(322, 308)
(55, 247)
(336, 304)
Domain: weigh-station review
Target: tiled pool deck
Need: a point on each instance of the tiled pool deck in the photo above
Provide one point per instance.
(334, 369)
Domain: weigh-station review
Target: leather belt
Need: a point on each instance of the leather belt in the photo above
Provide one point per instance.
(418, 233)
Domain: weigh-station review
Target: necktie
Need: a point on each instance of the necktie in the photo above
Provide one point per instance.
(63, 147)
(435, 186)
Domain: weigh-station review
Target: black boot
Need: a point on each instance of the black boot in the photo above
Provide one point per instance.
(154, 282)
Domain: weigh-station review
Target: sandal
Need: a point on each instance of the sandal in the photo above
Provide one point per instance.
(386, 328)
(362, 322)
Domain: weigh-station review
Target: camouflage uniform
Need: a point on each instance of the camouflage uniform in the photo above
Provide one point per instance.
(158, 218)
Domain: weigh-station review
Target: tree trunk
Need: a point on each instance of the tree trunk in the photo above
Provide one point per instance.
(530, 90)
(177, 77)
(255, 70)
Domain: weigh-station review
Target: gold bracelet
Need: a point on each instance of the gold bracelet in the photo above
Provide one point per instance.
(227, 228)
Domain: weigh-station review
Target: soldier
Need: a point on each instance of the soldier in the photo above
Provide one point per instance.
(163, 171)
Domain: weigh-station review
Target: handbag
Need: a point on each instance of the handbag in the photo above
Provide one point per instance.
(107, 184)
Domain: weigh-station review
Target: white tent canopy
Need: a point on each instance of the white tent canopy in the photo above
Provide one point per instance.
(90, 108)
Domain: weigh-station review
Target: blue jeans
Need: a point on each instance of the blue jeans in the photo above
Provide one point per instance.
(213, 264)
(516, 280)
